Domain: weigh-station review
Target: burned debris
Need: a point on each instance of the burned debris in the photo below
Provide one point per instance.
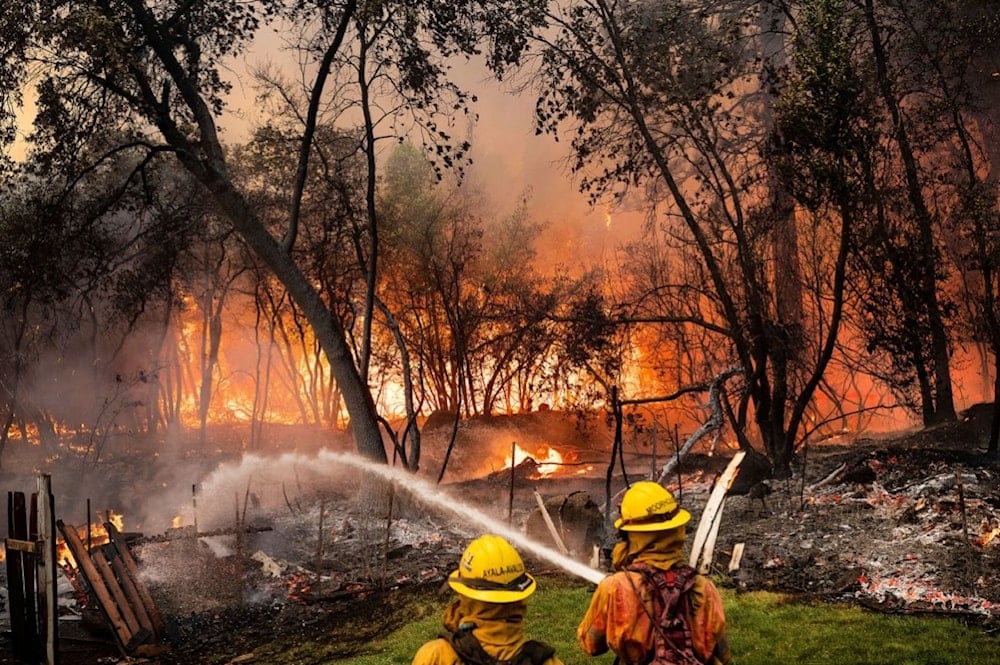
(752, 479)
(575, 524)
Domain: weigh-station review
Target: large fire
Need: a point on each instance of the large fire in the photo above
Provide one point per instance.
(294, 388)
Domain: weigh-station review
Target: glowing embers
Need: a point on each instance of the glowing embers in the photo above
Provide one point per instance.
(299, 585)
(989, 535)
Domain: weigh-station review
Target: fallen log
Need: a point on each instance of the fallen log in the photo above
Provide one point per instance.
(187, 533)
(828, 479)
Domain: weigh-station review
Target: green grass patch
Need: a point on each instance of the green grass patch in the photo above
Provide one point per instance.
(765, 629)
(770, 628)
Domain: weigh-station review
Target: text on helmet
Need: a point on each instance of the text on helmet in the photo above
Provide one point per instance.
(503, 570)
(660, 507)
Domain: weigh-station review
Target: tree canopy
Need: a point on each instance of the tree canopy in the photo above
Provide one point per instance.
(818, 179)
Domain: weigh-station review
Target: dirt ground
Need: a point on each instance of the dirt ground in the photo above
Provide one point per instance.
(901, 523)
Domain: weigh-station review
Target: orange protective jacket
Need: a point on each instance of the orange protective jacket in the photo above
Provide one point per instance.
(499, 627)
(621, 610)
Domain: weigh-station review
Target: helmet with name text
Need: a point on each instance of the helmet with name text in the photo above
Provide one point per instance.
(491, 570)
(648, 506)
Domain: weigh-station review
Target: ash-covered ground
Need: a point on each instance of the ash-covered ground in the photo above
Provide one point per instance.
(901, 524)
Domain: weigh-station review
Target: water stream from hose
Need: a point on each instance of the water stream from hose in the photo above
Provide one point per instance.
(435, 496)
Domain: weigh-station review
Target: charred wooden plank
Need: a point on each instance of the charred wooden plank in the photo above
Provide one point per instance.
(30, 546)
(20, 594)
(120, 629)
(125, 554)
(129, 588)
(115, 588)
(187, 533)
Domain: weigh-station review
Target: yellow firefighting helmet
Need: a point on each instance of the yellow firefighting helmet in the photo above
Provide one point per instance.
(647, 506)
(491, 570)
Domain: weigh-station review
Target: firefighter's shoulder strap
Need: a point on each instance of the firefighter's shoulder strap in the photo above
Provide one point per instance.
(535, 652)
(471, 652)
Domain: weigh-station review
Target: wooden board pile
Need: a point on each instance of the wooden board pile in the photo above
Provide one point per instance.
(109, 575)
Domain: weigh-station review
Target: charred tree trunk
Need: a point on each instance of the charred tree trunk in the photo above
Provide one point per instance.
(12, 389)
(943, 407)
(411, 433)
(213, 322)
(993, 447)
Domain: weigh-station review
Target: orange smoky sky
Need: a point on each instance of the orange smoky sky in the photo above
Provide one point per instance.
(510, 162)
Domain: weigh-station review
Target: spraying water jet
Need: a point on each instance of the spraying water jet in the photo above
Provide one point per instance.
(447, 503)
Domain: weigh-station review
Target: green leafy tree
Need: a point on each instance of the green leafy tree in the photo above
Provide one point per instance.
(908, 238)
(824, 118)
(463, 288)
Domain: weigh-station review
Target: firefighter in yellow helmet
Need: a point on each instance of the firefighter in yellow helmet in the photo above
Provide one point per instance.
(654, 608)
(485, 623)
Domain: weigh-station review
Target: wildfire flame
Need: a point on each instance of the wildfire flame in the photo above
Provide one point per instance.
(98, 536)
(547, 465)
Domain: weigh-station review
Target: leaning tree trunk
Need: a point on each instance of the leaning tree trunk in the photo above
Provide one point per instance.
(210, 360)
(328, 330)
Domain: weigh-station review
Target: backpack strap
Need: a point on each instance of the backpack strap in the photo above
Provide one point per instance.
(468, 648)
(534, 653)
(471, 652)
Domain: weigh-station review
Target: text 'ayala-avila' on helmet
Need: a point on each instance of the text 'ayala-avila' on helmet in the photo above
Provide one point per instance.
(491, 570)
(648, 506)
